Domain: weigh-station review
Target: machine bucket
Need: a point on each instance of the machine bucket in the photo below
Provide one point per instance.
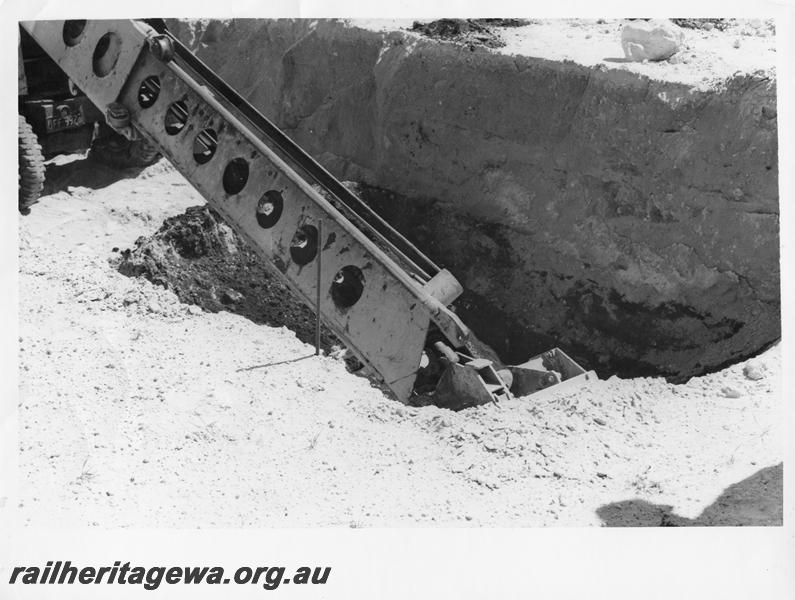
(551, 369)
(467, 381)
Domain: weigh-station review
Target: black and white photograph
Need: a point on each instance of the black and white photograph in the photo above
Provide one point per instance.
(443, 273)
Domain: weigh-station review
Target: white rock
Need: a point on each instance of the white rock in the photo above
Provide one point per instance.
(657, 39)
(754, 371)
(730, 392)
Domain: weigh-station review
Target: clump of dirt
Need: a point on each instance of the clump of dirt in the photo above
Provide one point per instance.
(472, 32)
(708, 24)
(204, 262)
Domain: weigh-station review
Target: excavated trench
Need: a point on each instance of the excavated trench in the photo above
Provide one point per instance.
(632, 222)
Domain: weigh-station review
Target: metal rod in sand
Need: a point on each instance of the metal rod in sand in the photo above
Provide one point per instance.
(319, 269)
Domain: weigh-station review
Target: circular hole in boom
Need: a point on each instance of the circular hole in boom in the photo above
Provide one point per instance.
(303, 248)
(73, 31)
(204, 146)
(176, 117)
(347, 287)
(269, 209)
(106, 54)
(149, 91)
(235, 176)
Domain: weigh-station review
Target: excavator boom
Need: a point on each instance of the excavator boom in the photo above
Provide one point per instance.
(376, 291)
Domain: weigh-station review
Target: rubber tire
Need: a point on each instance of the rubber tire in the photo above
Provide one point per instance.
(31, 167)
(116, 151)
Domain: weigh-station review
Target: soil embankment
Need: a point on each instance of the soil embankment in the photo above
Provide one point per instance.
(632, 221)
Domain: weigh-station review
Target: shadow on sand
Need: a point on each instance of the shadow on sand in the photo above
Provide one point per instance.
(754, 501)
(83, 172)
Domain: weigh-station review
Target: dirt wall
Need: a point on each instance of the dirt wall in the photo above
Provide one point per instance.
(633, 222)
